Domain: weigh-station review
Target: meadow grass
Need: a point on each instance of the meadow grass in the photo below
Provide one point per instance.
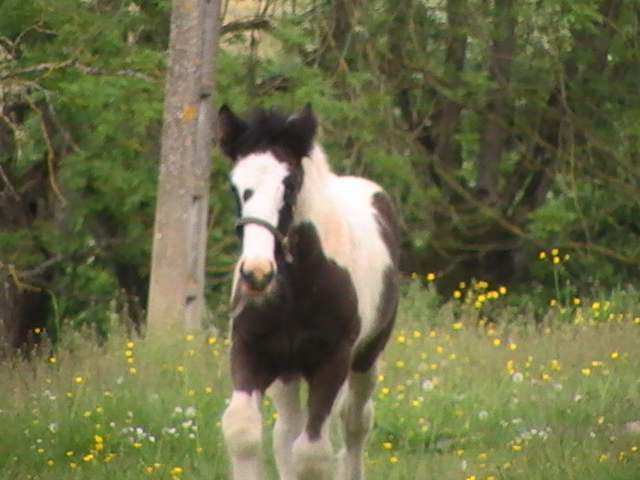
(458, 398)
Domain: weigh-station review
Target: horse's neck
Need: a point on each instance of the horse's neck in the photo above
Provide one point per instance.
(317, 204)
(314, 201)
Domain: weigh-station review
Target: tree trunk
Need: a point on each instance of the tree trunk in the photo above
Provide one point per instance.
(176, 291)
(497, 111)
(337, 44)
(446, 117)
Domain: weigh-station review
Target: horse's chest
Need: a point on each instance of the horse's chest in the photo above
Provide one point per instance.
(321, 320)
(321, 323)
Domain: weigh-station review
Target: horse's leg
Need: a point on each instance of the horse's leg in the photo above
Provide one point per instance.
(242, 420)
(356, 418)
(312, 451)
(289, 424)
(242, 429)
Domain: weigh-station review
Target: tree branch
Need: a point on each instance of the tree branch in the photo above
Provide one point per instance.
(43, 67)
(256, 23)
(47, 67)
(125, 72)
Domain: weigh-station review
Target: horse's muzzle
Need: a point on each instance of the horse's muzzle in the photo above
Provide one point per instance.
(257, 274)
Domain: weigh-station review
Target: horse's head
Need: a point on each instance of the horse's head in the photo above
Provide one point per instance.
(267, 175)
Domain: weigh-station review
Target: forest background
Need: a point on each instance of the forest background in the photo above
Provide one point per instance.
(506, 131)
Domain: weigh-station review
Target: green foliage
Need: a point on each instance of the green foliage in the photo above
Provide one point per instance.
(110, 105)
(110, 108)
(17, 16)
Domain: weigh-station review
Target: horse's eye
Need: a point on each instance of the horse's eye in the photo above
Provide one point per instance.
(247, 194)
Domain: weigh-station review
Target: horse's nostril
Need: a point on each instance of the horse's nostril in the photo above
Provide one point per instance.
(243, 272)
(268, 276)
(247, 274)
(257, 276)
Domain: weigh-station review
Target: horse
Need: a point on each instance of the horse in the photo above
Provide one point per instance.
(313, 300)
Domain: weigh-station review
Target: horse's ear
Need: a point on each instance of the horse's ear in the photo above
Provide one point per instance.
(300, 131)
(231, 127)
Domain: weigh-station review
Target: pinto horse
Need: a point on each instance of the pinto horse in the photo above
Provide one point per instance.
(314, 298)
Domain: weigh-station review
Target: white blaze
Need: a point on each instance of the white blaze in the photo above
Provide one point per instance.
(263, 174)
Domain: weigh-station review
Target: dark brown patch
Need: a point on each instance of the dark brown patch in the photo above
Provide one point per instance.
(257, 339)
(308, 327)
(324, 386)
(292, 185)
(367, 354)
(388, 224)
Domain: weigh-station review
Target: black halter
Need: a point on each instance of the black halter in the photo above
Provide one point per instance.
(277, 234)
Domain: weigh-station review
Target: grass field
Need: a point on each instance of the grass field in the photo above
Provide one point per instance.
(458, 399)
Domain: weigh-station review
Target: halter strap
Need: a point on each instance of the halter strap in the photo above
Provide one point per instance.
(277, 234)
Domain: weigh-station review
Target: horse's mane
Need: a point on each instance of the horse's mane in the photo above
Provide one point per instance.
(268, 128)
(265, 128)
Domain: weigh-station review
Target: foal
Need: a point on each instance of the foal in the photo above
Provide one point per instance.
(314, 298)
